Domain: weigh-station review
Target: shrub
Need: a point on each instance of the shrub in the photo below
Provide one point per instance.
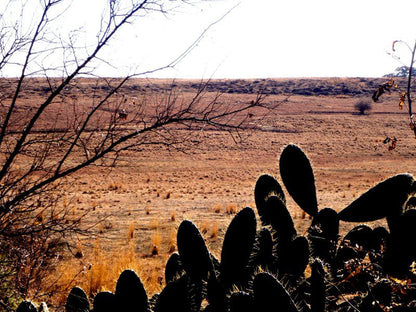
(363, 106)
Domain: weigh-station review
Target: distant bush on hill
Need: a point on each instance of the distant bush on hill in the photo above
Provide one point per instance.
(363, 106)
(401, 71)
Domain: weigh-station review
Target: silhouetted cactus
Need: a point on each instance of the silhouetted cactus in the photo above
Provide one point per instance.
(262, 255)
(266, 186)
(194, 255)
(216, 295)
(381, 246)
(280, 220)
(104, 301)
(242, 302)
(318, 287)
(173, 268)
(411, 203)
(359, 241)
(215, 262)
(298, 178)
(403, 240)
(196, 261)
(236, 249)
(378, 297)
(77, 301)
(270, 295)
(383, 200)
(323, 235)
(174, 297)
(26, 306)
(130, 294)
(234, 284)
(293, 258)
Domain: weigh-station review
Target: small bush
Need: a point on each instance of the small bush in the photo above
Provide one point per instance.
(363, 107)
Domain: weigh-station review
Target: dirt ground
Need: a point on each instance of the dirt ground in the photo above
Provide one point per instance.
(152, 190)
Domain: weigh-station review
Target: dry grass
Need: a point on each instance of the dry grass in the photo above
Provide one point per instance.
(217, 208)
(101, 270)
(130, 232)
(211, 182)
(156, 241)
(172, 241)
(114, 186)
(214, 230)
(154, 224)
(231, 208)
(173, 216)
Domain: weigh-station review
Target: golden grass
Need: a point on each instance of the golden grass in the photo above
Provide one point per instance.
(154, 224)
(217, 208)
(130, 231)
(214, 230)
(172, 241)
(204, 226)
(156, 241)
(113, 186)
(172, 215)
(231, 209)
(338, 165)
(101, 271)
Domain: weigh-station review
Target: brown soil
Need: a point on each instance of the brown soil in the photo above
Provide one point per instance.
(157, 187)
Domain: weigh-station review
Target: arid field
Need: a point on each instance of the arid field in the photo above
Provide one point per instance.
(138, 204)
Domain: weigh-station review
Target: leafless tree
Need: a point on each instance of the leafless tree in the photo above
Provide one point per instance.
(56, 119)
(407, 71)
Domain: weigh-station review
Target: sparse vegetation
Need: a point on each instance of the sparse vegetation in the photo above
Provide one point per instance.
(230, 208)
(363, 107)
(59, 117)
(231, 179)
(217, 208)
(53, 128)
(275, 267)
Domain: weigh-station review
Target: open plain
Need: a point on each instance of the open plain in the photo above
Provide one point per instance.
(138, 204)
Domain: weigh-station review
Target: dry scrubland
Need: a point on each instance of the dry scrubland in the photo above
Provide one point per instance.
(146, 196)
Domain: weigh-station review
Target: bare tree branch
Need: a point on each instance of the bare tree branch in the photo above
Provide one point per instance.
(61, 118)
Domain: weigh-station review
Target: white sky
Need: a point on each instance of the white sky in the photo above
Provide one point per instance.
(261, 38)
(288, 38)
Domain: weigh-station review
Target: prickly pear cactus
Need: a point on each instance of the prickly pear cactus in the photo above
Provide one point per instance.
(77, 301)
(267, 186)
(270, 295)
(173, 268)
(262, 254)
(236, 249)
(266, 269)
(241, 302)
(323, 235)
(318, 287)
(130, 294)
(280, 220)
(26, 306)
(104, 301)
(293, 258)
(388, 198)
(174, 297)
(298, 178)
(193, 252)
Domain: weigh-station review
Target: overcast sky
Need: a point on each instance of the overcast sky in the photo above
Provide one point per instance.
(261, 38)
(296, 38)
